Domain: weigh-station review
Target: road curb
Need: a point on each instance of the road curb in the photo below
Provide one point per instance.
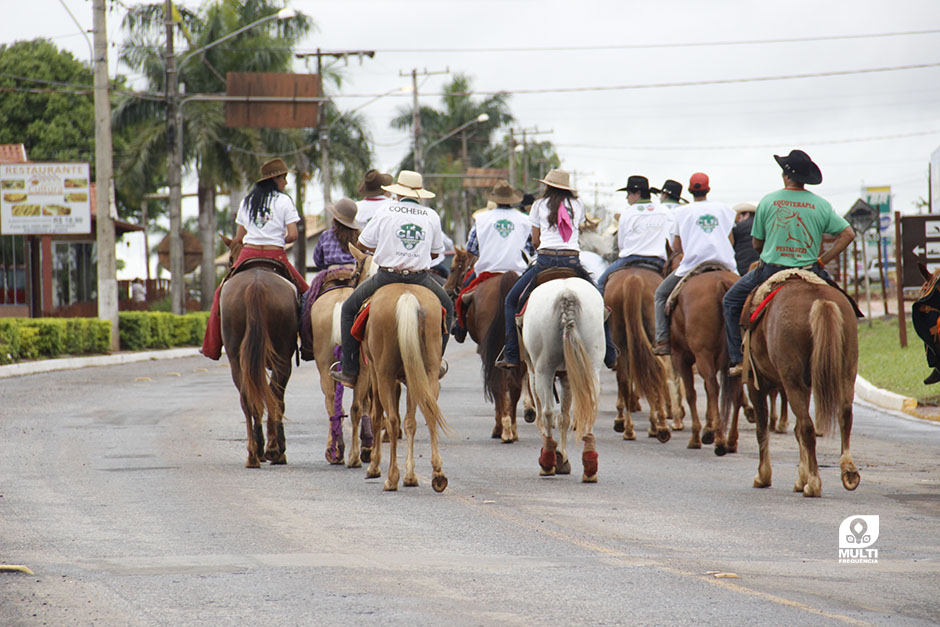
(72, 363)
(889, 400)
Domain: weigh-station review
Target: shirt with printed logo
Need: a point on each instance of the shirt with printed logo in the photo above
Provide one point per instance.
(269, 228)
(404, 235)
(644, 229)
(703, 228)
(791, 222)
(501, 234)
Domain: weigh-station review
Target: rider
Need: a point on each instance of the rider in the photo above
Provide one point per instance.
(744, 253)
(555, 219)
(267, 221)
(497, 239)
(670, 194)
(403, 236)
(643, 229)
(788, 229)
(702, 233)
(373, 196)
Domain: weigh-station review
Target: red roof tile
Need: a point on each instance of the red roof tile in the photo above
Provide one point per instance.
(12, 153)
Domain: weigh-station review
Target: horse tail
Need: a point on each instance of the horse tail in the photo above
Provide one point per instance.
(494, 338)
(826, 362)
(257, 355)
(410, 322)
(581, 374)
(336, 338)
(644, 368)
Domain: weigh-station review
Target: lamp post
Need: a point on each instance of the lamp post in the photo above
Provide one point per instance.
(174, 133)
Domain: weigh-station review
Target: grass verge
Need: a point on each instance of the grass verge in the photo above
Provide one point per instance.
(886, 365)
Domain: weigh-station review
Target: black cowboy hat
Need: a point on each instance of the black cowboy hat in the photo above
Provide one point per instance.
(672, 188)
(527, 200)
(798, 166)
(636, 183)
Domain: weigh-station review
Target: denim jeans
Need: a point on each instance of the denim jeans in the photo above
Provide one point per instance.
(369, 287)
(623, 262)
(659, 305)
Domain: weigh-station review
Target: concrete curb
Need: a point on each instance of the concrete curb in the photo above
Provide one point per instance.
(71, 363)
(882, 398)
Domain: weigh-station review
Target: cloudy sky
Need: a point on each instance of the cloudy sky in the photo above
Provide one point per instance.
(592, 72)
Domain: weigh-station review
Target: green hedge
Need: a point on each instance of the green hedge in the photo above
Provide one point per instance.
(34, 338)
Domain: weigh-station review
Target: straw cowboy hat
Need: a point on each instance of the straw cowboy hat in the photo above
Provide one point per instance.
(504, 194)
(559, 179)
(273, 168)
(745, 207)
(344, 211)
(409, 185)
(373, 181)
(798, 166)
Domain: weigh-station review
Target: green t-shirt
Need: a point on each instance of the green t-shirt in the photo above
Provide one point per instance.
(791, 222)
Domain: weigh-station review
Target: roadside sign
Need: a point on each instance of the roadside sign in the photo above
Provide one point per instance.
(861, 216)
(43, 198)
(920, 241)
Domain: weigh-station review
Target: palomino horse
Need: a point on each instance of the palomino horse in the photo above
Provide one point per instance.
(259, 332)
(629, 294)
(563, 334)
(402, 342)
(806, 325)
(325, 320)
(698, 337)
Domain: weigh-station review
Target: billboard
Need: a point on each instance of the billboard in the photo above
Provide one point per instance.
(44, 198)
(880, 199)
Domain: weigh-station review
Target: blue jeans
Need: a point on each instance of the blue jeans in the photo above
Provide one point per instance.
(659, 307)
(623, 262)
(733, 302)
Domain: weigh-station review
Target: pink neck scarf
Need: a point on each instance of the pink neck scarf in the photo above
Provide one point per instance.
(564, 222)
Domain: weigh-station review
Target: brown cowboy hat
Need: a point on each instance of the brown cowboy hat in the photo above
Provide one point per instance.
(504, 194)
(559, 179)
(344, 211)
(373, 181)
(273, 168)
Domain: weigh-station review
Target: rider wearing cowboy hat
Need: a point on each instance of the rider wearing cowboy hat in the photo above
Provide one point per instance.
(670, 194)
(373, 196)
(744, 253)
(403, 237)
(787, 232)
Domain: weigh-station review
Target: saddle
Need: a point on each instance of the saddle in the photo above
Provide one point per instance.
(358, 330)
(756, 304)
(263, 263)
(705, 266)
(640, 263)
(326, 280)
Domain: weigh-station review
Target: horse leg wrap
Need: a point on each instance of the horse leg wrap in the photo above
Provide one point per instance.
(547, 458)
(589, 456)
(365, 431)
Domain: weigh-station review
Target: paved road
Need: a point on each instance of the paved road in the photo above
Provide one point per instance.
(123, 489)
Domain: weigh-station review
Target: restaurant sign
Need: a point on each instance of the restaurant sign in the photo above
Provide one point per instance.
(41, 198)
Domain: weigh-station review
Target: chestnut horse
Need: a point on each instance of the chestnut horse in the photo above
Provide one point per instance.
(259, 332)
(806, 342)
(629, 295)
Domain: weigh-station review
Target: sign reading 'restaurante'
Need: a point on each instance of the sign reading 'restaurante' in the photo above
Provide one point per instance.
(38, 198)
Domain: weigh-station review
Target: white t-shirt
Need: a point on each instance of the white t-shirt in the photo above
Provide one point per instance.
(269, 227)
(703, 228)
(501, 234)
(548, 236)
(367, 208)
(670, 205)
(644, 229)
(404, 234)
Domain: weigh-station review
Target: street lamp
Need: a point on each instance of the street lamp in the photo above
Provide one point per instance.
(483, 117)
(174, 133)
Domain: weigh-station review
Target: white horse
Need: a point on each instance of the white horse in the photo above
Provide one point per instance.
(562, 333)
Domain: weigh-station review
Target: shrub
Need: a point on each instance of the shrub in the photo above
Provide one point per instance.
(9, 340)
(29, 343)
(50, 339)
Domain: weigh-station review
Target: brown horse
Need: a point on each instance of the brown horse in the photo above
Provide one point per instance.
(629, 295)
(259, 332)
(806, 342)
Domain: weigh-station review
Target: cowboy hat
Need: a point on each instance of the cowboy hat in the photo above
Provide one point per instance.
(373, 181)
(559, 179)
(672, 188)
(527, 200)
(504, 194)
(636, 183)
(344, 211)
(409, 185)
(798, 166)
(745, 207)
(273, 168)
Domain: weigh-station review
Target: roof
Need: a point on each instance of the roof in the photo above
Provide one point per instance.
(13, 153)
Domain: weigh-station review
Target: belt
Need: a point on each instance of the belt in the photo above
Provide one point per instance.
(403, 272)
(558, 253)
(264, 247)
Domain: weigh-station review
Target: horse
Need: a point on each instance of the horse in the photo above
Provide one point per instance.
(259, 332)
(629, 295)
(402, 342)
(562, 335)
(325, 320)
(806, 324)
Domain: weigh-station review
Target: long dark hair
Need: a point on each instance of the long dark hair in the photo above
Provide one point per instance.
(345, 235)
(555, 197)
(260, 198)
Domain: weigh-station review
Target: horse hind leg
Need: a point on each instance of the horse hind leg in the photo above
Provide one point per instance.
(674, 395)
(529, 412)
(562, 464)
(624, 421)
(255, 438)
(546, 405)
(393, 425)
(850, 476)
(276, 448)
(759, 402)
(410, 479)
(808, 481)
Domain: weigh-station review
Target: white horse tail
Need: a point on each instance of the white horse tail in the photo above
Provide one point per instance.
(410, 322)
(827, 362)
(581, 374)
(336, 338)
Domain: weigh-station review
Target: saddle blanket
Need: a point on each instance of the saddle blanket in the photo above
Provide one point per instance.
(705, 266)
(335, 273)
(358, 330)
(475, 283)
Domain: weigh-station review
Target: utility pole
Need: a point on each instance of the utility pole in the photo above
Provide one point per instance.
(512, 158)
(526, 132)
(415, 112)
(104, 231)
(174, 164)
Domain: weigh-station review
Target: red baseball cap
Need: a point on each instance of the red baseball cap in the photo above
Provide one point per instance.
(699, 182)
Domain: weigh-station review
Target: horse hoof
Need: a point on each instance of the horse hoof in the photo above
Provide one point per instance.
(390, 487)
(497, 432)
(588, 479)
(366, 455)
(253, 463)
(334, 461)
(812, 492)
(410, 482)
(850, 479)
(629, 435)
(357, 463)
(798, 486)
(589, 461)
(708, 437)
(564, 468)
(651, 433)
(507, 439)
(385, 436)
(721, 450)
(619, 425)
(373, 474)
(547, 472)
(678, 427)
(758, 483)
(781, 429)
(280, 460)
(529, 415)
(750, 415)
(548, 460)
(663, 435)
(439, 483)
(694, 444)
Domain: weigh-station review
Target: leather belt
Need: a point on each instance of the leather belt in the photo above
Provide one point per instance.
(403, 272)
(558, 253)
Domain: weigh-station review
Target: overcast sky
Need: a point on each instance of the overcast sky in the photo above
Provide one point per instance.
(876, 128)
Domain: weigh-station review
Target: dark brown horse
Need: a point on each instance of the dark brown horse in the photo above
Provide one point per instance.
(259, 332)
(806, 342)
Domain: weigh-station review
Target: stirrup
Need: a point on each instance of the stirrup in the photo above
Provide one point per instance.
(337, 374)
(735, 370)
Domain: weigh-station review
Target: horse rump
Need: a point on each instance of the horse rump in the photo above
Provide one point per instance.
(410, 321)
(578, 364)
(257, 355)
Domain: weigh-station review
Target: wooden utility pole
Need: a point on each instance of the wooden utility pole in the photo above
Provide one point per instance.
(416, 112)
(902, 322)
(174, 161)
(104, 232)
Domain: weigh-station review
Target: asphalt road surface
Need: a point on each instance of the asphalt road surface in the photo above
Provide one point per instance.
(123, 489)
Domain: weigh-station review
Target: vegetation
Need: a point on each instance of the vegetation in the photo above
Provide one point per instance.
(884, 364)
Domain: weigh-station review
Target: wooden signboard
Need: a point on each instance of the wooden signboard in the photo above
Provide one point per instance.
(271, 114)
(484, 177)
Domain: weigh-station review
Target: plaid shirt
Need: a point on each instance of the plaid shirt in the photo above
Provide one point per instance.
(329, 252)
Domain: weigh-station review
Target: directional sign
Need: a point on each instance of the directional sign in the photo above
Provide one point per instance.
(920, 241)
(861, 216)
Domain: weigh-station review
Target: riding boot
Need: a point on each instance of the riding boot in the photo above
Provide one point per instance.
(459, 333)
